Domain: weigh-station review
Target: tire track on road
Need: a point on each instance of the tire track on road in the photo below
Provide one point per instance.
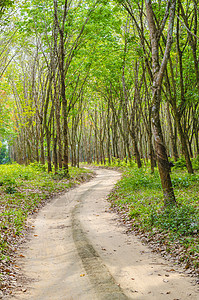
(103, 282)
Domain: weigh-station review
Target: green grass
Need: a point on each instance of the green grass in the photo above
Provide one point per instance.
(23, 189)
(139, 196)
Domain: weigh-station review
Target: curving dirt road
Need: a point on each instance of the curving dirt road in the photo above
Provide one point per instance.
(79, 251)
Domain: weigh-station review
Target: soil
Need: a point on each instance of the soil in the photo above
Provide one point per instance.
(79, 250)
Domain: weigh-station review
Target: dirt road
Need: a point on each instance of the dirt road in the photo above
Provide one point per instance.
(78, 250)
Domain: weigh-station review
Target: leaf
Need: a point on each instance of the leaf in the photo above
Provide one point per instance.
(21, 255)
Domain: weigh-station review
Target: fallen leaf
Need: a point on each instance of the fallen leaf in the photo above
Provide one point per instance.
(187, 266)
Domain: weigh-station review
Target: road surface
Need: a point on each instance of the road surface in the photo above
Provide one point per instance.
(79, 250)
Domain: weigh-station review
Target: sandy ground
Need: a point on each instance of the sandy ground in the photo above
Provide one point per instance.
(78, 250)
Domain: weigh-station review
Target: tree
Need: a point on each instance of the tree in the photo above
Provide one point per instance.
(104, 82)
(158, 70)
(4, 5)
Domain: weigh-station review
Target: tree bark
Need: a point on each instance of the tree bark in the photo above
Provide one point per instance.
(61, 64)
(158, 72)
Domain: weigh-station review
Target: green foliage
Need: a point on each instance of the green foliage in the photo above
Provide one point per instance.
(4, 155)
(22, 190)
(185, 180)
(195, 163)
(180, 164)
(9, 184)
(60, 175)
(117, 162)
(138, 194)
(10, 189)
(12, 218)
(5, 4)
(6, 117)
(182, 220)
(38, 166)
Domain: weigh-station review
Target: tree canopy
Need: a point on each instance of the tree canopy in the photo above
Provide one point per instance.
(101, 81)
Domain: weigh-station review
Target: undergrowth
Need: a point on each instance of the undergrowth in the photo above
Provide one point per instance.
(139, 197)
(22, 190)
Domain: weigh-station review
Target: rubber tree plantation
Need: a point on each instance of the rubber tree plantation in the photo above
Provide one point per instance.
(110, 83)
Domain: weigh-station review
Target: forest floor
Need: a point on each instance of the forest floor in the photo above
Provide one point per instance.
(172, 231)
(24, 190)
(78, 249)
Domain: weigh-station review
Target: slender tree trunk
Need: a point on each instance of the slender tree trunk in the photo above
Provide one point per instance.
(183, 143)
(55, 158)
(62, 72)
(48, 140)
(37, 144)
(158, 72)
(58, 131)
(161, 153)
(173, 140)
(134, 141)
(42, 159)
(96, 138)
(108, 134)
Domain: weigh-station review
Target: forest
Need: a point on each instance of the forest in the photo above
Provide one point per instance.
(106, 83)
(98, 82)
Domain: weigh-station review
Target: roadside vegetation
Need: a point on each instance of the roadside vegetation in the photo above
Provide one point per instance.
(23, 190)
(173, 231)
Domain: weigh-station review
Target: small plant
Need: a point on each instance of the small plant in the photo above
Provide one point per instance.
(195, 163)
(185, 180)
(139, 196)
(31, 186)
(182, 220)
(61, 174)
(10, 184)
(180, 164)
(10, 189)
(38, 166)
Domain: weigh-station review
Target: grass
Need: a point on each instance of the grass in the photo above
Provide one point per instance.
(138, 196)
(23, 189)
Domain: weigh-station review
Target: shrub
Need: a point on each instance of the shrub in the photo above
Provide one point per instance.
(185, 180)
(180, 164)
(183, 220)
(38, 167)
(195, 163)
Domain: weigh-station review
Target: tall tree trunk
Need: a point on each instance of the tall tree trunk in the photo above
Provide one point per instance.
(55, 158)
(61, 64)
(58, 131)
(158, 72)
(48, 140)
(183, 143)
(173, 140)
(42, 159)
(108, 134)
(37, 144)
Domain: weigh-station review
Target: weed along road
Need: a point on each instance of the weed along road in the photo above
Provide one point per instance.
(79, 250)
